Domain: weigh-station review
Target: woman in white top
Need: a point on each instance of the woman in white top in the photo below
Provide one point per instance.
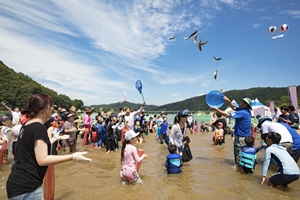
(178, 130)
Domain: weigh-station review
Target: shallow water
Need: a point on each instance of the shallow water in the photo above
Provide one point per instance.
(208, 176)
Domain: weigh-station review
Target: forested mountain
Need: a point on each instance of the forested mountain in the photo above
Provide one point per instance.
(280, 96)
(16, 89)
(116, 106)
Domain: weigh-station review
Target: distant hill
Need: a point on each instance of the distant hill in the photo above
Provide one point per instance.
(279, 95)
(17, 88)
(116, 106)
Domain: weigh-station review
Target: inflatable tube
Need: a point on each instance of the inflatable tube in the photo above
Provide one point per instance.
(140, 153)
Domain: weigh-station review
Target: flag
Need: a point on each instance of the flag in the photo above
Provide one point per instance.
(259, 111)
(124, 97)
(293, 96)
(272, 107)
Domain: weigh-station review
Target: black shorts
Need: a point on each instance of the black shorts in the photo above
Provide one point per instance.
(283, 179)
(295, 154)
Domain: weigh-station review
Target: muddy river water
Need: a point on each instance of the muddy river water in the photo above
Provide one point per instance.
(209, 175)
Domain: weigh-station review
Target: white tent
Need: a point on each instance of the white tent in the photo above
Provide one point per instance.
(229, 108)
(259, 108)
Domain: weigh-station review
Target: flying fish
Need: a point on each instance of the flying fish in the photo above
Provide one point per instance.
(200, 44)
(195, 33)
(215, 74)
(217, 58)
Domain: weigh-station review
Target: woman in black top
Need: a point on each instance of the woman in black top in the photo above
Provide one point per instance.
(33, 152)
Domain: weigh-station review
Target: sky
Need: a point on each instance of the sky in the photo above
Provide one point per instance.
(95, 50)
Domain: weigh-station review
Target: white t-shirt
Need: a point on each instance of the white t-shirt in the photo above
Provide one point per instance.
(16, 117)
(269, 126)
(6, 133)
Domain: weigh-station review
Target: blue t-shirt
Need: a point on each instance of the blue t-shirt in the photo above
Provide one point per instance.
(242, 127)
(295, 136)
(164, 128)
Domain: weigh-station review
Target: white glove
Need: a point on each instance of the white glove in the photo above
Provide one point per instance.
(73, 130)
(78, 156)
(61, 137)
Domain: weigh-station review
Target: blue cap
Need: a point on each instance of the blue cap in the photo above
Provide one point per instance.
(183, 113)
(113, 115)
(261, 120)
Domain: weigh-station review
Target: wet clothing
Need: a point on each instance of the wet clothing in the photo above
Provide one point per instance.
(131, 157)
(248, 158)
(286, 165)
(26, 175)
(173, 163)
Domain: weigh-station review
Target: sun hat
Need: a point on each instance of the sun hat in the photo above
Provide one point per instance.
(53, 119)
(4, 118)
(248, 101)
(79, 111)
(70, 115)
(63, 110)
(215, 98)
(184, 113)
(261, 120)
(130, 134)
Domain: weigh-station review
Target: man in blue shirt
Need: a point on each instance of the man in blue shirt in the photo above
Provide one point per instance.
(242, 127)
(295, 152)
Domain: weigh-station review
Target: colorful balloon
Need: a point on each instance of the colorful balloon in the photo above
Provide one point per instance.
(284, 27)
(272, 29)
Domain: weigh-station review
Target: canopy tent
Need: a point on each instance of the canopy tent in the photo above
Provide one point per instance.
(257, 108)
(229, 108)
(260, 109)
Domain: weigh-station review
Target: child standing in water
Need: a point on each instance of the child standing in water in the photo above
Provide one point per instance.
(196, 127)
(130, 157)
(218, 134)
(173, 162)
(248, 155)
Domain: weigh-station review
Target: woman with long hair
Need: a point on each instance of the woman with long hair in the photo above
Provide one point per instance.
(178, 130)
(33, 151)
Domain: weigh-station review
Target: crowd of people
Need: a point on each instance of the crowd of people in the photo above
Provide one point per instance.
(46, 128)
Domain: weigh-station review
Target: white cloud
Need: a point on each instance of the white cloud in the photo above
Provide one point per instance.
(294, 13)
(255, 25)
(175, 95)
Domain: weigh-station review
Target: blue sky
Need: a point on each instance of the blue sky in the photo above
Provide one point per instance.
(96, 50)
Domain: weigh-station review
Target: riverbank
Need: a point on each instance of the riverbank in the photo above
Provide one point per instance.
(209, 175)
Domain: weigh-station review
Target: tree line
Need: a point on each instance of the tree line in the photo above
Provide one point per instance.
(17, 88)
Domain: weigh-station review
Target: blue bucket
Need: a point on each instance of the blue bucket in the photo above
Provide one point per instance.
(215, 98)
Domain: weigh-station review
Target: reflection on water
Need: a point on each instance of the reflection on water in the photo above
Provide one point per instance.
(208, 176)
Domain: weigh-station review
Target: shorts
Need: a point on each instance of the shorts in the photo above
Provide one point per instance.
(129, 174)
(283, 179)
(295, 154)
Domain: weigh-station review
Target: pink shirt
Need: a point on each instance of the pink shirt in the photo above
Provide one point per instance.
(87, 120)
(196, 128)
(131, 156)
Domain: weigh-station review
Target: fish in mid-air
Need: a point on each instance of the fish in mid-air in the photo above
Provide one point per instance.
(195, 39)
(200, 44)
(217, 58)
(215, 74)
(195, 33)
(171, 38)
